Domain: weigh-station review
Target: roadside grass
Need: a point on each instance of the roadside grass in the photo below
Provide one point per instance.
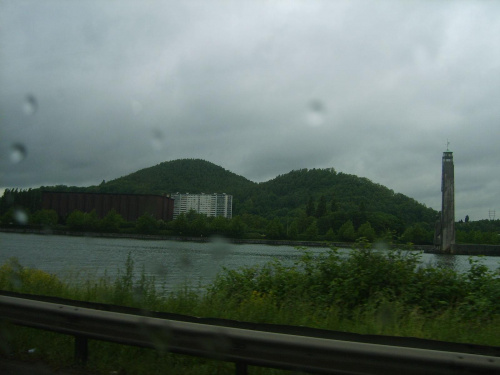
(367, 292)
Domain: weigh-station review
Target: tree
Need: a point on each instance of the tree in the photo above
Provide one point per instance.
(293, 230)
(47, 218)
(310, 209)
(366, 231)
(219, 225)
(199, 227)
(334, 206)
(111, 222)
(275, 229)
(147, 224)
(303, 222)
(312, 231)
(347, 232)
(180, 225)
(330, 235)
(76, 220)
(417, 234)
(236, 227)
(466, 218)
(321, 209)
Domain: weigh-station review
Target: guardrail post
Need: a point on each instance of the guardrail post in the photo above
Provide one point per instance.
(241, 368)
(81, 350)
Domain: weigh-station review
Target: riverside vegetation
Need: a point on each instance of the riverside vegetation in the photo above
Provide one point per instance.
(367, 291)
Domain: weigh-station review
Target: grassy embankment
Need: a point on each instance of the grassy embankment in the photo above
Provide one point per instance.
(385, 293)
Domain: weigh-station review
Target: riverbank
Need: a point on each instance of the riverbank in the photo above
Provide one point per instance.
(458, 249)
(137, 236)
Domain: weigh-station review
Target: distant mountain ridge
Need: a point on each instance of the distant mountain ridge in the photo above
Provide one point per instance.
(282, 196)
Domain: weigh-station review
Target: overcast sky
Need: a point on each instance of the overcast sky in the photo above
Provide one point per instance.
(97, 90)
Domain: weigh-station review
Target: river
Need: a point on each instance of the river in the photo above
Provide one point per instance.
(172, 263)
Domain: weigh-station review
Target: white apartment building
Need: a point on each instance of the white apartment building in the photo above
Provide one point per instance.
(208, 204)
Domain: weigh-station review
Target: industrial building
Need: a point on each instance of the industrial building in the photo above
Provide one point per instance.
(129, 206)
(208, 204)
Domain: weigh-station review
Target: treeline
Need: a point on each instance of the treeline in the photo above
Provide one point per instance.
(324, 219)
(478, 232)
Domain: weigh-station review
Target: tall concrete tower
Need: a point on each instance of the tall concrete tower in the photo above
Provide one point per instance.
(448, 203)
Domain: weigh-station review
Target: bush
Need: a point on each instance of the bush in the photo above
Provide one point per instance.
(147, 224)
(366, 278)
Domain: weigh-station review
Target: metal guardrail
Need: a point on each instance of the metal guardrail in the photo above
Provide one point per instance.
(242, 346)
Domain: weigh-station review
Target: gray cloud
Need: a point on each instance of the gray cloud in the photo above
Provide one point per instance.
(95, 91)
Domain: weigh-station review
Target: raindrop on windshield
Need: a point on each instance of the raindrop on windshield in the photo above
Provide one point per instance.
(315, 115)
(17, 153)
(20, 216)
(30, 105)
(220, 247)
(185, 262)
(157, 139)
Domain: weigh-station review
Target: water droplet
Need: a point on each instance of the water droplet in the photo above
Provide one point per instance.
(20, 216)
(315, 115)
(160, 269)
(30, 105)
(157, 140)
(220, 247)
(17, 153)
(185, 261)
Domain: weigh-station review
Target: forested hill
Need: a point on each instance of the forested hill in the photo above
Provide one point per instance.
(321, 193)
(285, 195)
(342, 193)
(184, 176)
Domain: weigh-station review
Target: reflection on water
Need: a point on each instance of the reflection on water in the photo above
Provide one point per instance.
(447, 261)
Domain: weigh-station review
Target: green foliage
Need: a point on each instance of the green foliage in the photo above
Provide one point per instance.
(27, 199)
(364, 281)
(321, 209)
(78, 220)
(347, 232)
(330, 235)
(193, 175)
(419, 233)
(237, 228)
(147, 224)
(14, 277)
(111, 222)
(293, 230)
(366, 291)
(310, 209)
(312, 231)
(275, 229)
(46, 218)
(478, 232)
(366, 231)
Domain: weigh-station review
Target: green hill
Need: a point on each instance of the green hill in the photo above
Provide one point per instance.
(183, 175)
(286, 195)
(330, 197)
(348, 192)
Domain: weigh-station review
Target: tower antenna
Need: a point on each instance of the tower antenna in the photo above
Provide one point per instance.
(491, 214)
(447, 145)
